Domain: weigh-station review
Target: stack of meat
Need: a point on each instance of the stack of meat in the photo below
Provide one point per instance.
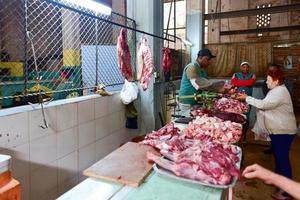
(124, 57)
(231, 105)
(234, 117)
(215, 128)
(158, 138)
(197, 158)
(205, 161)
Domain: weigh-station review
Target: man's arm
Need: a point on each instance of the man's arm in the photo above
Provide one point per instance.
(192, 75)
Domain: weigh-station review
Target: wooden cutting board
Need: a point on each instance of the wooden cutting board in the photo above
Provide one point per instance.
(126, 165)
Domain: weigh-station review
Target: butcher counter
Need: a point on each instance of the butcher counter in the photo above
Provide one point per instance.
(155, 187)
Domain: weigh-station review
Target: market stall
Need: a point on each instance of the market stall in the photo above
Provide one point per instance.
(195, 160)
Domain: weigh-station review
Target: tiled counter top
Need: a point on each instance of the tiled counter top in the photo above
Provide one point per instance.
(155, 187)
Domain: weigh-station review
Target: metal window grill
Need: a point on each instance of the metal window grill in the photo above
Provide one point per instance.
(74, 50)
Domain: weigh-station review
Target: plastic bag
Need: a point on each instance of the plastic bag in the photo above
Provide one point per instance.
(129, 92)
(259, 129)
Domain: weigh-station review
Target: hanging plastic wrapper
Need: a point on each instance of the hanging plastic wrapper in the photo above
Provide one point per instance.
(259, 129)
(129, 92)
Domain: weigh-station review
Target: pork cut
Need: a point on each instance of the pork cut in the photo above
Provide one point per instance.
(234, 117)
(231, 105)
(145, 64)
(124, 57)
(166, 63)
(156, 138)
(207, 162)
(216, 128)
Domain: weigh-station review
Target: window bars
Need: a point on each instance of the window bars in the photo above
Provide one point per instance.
(74, 51)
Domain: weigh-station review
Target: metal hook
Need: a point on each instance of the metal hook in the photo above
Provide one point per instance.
(45, 125)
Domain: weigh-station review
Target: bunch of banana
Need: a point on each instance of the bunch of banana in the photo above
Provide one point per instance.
(100, 90)
(72, 95)
(39, 88)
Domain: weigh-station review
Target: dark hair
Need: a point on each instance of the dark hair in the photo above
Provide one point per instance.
(276, 74)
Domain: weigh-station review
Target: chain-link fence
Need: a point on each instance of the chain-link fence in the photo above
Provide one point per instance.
(58, 49)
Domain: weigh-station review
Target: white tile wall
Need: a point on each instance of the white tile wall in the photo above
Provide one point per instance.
(66, 116)
(125, 135)
(67, 142)
(105, 146)
(86, 133)
(36, 120)
(115, 104)
(20, 159)
(14, 130)
(86, 111)
(49, 162)
(52, 194)
(87, 156)
(42, 181)
(101, 107)
(67, 185)
(43, 151)
(67, 167)
(103, 127)
(116, 121)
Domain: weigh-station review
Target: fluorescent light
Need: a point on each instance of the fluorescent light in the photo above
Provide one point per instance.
(92, 5)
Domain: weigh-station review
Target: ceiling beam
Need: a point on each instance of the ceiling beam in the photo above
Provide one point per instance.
(251, 12)
(261, 30)
(169, 1)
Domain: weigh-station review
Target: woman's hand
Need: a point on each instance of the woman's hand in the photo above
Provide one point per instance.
(241, 97)
(257, 171)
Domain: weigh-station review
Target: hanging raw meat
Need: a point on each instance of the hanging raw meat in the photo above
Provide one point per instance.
(145, 64)
(124, 57)
(167, 63)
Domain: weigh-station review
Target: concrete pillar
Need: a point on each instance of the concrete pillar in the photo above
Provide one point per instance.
(118, 6)
(194, 26)
(149, 18)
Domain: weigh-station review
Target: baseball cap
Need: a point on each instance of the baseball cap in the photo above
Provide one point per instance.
(245, 63)
(205, 52)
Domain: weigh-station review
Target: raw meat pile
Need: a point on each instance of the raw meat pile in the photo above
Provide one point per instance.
(124, 57)
(145, 64)
(231, 105)
(234, 117)
(217, 129)
(157, 138)
(167, 63)
(195, 156)
(204, 161)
